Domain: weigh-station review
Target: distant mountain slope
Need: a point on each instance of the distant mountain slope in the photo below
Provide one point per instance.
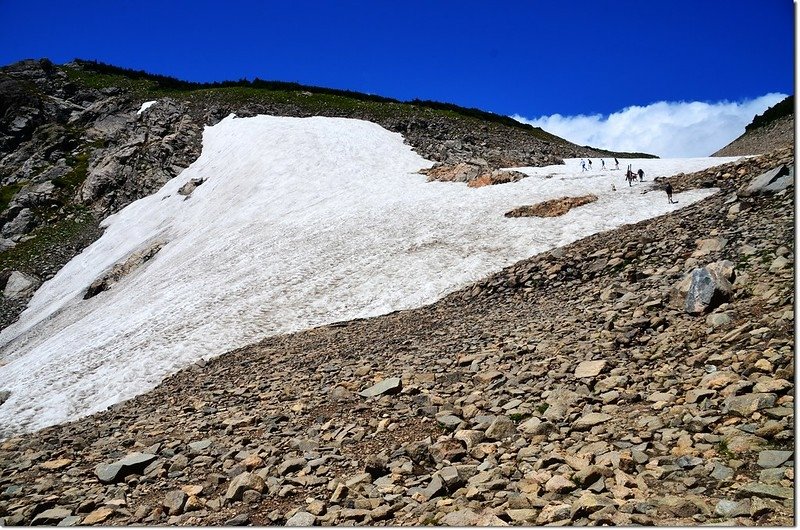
(769, 131)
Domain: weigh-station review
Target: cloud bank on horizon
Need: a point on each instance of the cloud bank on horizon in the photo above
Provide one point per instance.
(667, 129)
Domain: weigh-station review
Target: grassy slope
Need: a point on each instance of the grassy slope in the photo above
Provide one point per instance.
(309, 99)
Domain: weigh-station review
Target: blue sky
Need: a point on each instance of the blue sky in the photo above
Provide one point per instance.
(532, 59)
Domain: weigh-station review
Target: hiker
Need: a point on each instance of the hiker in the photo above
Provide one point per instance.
(590, 163)
(641, 175)
(629, 175)
(602, 164)
(668, 189)
(616, 162)
(583, 165)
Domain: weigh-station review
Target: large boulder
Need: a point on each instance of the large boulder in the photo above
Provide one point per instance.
(709, 287)
(772, 181)
(20, 285)
(22, 223)
(134, 463)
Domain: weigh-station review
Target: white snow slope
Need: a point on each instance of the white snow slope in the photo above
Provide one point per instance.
(300, 222)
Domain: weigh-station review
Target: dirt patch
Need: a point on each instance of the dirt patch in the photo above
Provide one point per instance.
(551, 208)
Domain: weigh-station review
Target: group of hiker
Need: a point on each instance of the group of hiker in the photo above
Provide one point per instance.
(630, 175)
(586, 165)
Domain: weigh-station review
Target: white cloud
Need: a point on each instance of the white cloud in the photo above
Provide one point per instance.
(667, 129)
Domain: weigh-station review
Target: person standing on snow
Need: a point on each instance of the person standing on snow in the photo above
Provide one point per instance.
(590, 164)
(641, 175)
(668, 189)
(602, 164)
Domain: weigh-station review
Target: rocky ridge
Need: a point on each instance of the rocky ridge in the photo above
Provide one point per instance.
(572, 388)
(774, 127)
(762, 139)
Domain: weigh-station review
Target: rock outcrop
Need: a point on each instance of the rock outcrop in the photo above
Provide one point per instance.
(552, 208)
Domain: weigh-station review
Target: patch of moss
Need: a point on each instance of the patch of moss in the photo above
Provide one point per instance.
(31, 255)
(80, 169)
(7, 194)
(519, 416)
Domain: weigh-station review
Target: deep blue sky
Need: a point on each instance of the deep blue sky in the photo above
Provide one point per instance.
(532, 58)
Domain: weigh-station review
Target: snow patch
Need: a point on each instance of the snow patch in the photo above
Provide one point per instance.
(299, 222)
(146, 105)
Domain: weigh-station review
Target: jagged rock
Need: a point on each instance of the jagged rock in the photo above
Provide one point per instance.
(502, 427)
(754, 489)
(707, 246)
(190, 186)
(301, 519)
(447, 450)
(727, 509)
(589, 369)
(467, 517)
(747, 404)
(390, 385)
(290, 465)
(134, 463)
(98, 516)
(772, 181)
(21, 224)
(708, 289)
(120, 270)
(559, 484)
(590, 420)
(244, 482)
(20, 285)
(51, 517)
(174, 502)
(772, 458)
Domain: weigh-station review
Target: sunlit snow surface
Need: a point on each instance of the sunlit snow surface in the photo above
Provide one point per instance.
(300, 222)
(146, 105)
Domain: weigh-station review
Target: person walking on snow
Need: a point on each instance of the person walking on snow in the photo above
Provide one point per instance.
(602, 164)
(583, 165)
(590, 164)
(641, 175)
(668, 189)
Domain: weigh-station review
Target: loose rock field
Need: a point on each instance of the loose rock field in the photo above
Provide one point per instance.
(572, 388)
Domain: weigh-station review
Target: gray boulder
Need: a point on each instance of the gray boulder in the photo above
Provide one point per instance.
(772, 181)
(390, 385)
(24, 222)
(20, 285)
(710, 286)
(134, 463)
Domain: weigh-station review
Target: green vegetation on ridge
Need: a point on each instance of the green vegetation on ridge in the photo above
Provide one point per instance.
(100, 75)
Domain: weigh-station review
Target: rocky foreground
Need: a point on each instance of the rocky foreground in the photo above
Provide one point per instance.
(587, 385)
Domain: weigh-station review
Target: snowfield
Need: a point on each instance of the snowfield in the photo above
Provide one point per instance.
(299, 222)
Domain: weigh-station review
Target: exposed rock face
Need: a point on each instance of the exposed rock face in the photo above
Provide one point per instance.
(564, 390)
(551, 208)
(120, 270)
